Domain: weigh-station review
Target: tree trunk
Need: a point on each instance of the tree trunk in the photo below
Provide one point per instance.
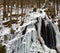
(22, 12)
(17, 9)
(57, 6)
(4, 9)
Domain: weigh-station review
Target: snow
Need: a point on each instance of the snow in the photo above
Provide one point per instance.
(56, 23)
(5, 31)
(29, 20)
(58, 16)
(5, 21)
(38, 14)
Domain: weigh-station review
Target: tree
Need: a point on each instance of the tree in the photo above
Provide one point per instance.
(21, 12)
(8, 5)
(4, 9)
(17, 9)
(57, 6)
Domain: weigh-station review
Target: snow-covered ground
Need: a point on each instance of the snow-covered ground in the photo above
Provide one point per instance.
(29, 20)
